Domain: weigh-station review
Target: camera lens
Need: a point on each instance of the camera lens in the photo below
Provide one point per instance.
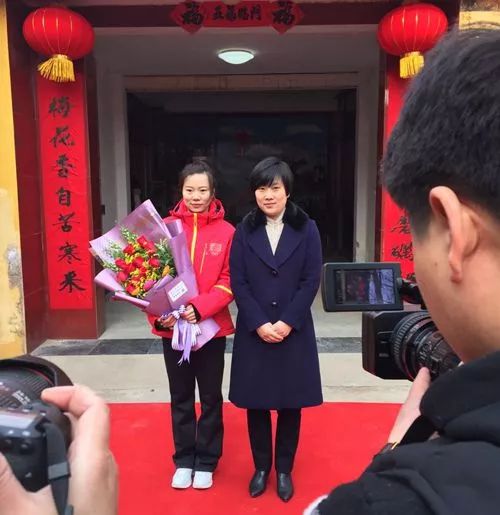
(416, 343)
(20, 386)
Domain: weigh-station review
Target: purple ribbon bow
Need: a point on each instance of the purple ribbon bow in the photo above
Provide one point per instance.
(185, 334)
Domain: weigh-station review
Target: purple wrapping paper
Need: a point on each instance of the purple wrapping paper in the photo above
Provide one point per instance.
(143, 220)
(168, 294)
(179, 247)
(185, 336)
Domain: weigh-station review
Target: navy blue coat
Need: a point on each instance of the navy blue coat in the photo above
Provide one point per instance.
(268, 288)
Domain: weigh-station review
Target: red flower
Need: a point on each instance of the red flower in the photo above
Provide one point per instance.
(148, 285)
(138, 261)
(122, 276)
(132, 290)
(150, 247)
(129, 249)
(143, 241)
(120, 263)
(155, 262)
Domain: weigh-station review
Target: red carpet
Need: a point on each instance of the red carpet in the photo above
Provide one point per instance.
(337, 442)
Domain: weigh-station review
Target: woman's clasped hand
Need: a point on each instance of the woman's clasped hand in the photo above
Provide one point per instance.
(274, 333)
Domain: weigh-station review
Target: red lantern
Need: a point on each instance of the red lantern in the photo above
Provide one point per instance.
(410, 30)
(61, 34)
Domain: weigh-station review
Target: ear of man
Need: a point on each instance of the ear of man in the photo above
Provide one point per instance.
(458, 222)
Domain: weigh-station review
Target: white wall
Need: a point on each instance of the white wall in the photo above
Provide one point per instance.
(113, 138)
(366, 165)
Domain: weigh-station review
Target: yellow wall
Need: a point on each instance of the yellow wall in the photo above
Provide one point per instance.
(474, 17)
(12, 330)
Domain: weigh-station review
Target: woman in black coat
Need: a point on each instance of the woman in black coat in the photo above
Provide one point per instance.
(275, 274)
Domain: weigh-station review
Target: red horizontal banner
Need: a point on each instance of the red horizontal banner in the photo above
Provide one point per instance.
(282, 15)
(64, 161)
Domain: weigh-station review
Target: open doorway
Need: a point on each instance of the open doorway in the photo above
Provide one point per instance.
(318, 144)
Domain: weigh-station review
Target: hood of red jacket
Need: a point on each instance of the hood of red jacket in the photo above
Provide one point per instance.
(215, 212)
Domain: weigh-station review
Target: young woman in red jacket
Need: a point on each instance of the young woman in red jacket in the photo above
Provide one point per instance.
(198, 443)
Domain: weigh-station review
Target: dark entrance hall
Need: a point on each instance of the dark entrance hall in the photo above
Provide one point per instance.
(318, 145)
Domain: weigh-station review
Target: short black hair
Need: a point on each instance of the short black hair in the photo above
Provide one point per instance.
(195, 167)
(448, 133)
(268, 170)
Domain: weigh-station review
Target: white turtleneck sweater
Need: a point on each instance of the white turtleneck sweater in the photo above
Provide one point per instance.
(274, 228)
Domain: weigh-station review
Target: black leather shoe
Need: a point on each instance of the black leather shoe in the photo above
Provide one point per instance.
(258, 483)
(284, 486)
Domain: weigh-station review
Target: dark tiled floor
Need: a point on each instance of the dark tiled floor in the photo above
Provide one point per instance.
(153, 346)
(67, 347)
(123, 346)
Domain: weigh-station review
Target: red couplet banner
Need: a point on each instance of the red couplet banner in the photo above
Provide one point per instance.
(65, 173)
(281, 15)
(396, 244)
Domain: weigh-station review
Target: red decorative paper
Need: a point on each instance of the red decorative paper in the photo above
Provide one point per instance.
(285, 15)
(65, 171)
(189, 15)
(396, 242)
(282, 15)
(244, 14)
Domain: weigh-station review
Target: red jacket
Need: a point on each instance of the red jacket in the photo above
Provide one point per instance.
(209, 238)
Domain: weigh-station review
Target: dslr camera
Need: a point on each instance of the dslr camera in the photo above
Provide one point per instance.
(34, 436)
(398, 335)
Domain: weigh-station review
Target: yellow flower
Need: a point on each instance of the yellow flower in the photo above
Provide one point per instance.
(166, 271)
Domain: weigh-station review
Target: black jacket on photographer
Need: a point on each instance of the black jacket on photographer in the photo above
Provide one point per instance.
(455, 473)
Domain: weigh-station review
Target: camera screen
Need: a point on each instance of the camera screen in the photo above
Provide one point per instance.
(16, 420)
(372, 287)
(361, 287)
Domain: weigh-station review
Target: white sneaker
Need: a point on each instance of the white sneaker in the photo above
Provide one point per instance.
(182, 478)
(202, 480)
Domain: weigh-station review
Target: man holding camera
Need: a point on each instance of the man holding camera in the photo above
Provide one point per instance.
(443, 167)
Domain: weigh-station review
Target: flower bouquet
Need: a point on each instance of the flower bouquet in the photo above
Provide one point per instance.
(140, 264)
(146, 262)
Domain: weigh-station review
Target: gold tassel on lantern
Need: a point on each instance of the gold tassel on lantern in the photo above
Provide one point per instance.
(410, 64)
(58, 68)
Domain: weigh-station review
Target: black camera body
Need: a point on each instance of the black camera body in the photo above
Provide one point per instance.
(396, 342)
(377, 328)
(23, 441)
(32, 434)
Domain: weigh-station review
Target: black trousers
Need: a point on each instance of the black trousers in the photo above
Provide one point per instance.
(198, 443)
(261, 438)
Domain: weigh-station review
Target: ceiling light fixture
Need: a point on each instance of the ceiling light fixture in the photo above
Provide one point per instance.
(236, 56)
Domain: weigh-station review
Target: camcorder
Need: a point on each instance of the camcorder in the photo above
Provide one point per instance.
(398, 335)
(34, 436)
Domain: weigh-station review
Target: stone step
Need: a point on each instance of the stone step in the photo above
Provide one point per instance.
(154, 346)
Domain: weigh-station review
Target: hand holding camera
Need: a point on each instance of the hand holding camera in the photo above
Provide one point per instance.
(93, 485)
(410, 410)
(39, 474)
